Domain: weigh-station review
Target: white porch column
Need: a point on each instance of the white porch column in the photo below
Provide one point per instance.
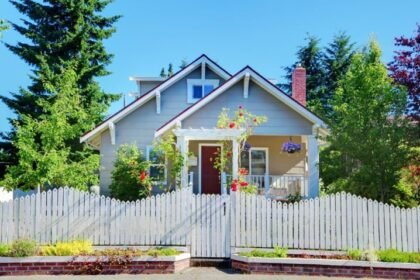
(235, 158)
(313, 167)
(182, 143)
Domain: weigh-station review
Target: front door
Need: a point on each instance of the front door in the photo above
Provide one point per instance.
(210, 176)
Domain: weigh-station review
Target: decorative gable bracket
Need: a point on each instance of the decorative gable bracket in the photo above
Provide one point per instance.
(158, 101)
(246, 84)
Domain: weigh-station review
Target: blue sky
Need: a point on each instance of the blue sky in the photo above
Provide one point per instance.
(263, 34)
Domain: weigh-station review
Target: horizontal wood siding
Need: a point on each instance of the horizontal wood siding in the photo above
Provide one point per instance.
(281, 119)
(139, 127)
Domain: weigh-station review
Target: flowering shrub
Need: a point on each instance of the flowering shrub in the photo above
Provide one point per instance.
(130, 178)
(241, 184)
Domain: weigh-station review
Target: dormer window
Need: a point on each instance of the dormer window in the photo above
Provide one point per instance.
(198, 88)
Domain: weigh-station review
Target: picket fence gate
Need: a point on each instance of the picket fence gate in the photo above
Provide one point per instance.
(211, 225)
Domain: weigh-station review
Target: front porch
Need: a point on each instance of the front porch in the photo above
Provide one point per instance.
(275, 173)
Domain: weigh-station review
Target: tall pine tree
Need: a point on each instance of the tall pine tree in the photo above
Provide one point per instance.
(324, 67)
(72, 31)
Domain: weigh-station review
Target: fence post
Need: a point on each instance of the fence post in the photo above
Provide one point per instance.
(224, 183)
(266, 184)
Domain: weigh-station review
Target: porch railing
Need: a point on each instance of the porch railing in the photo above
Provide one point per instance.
(278, 186)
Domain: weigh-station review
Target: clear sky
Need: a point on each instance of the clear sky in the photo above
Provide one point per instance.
(263, 34)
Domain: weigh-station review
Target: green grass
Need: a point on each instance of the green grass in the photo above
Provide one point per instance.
(277, 253)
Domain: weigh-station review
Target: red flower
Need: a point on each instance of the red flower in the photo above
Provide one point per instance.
(233, 187)
(232, 125)
(243, 171)
(244, 184)
(142, 176)
(255, 120)
(229, 154)
(240, 114)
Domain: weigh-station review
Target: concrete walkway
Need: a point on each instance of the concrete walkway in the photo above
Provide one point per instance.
(193, 273)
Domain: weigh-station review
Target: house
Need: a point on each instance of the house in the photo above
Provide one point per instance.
(188, 104)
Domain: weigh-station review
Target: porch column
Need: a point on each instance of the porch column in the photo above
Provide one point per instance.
(235, 158)
(182, 143)
(313, 167)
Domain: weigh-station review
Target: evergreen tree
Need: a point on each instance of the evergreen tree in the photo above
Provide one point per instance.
(310, 57)
(336, 60)
(368, 143)
(170, 70)
(324, 67)
(57, 31)
(163, 73)
(44, 156)
(183, 64)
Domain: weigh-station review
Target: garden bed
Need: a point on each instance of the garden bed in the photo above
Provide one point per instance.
(325, 267)
(93, 265)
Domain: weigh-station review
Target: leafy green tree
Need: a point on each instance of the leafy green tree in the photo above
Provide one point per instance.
(57, 31)
(368, 144)
(44, 156)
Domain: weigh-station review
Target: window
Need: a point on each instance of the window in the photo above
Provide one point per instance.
(255, 161)
(198, 88)
(157, 170)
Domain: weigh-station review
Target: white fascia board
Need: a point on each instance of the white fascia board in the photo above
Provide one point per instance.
(263, 83)
(147, 79)
(142, 100)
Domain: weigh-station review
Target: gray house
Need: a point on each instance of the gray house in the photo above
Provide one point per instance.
(188, 104)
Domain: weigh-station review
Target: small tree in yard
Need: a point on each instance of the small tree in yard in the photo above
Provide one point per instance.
(367, 142)
(244, 120)
(130, 178)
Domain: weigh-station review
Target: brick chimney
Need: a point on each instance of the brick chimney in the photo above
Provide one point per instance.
(299, 84)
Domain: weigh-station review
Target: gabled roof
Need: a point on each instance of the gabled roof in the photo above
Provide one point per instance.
(257, 78)
(152, 93)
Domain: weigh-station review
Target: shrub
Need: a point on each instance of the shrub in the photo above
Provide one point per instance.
(355, 254)
(130, 179)
(392, 255)
(4, 250)
(162, 252)
(277, 253)
(23, 248)
(72, 248)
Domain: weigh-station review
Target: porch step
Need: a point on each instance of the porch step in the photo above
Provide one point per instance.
(210, 262)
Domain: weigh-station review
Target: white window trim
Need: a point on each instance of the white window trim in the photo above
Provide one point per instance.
(197, 82)
(149, 148)
(267, 167)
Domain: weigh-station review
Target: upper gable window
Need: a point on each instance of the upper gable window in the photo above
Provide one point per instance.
(198, 88)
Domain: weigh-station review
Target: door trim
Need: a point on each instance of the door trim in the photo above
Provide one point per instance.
(199, 162)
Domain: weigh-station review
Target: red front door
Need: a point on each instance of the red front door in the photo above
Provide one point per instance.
(210, 176)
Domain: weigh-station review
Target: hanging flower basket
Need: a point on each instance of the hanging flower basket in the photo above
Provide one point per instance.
(291, 147)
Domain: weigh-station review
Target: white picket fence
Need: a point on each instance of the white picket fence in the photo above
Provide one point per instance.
(211, 224)
(334, 222)
(67, 214)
